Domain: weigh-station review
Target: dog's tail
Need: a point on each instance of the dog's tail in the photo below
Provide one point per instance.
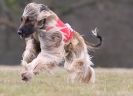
(95, 33)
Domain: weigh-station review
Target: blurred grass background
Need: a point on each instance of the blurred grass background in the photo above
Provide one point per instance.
(109, 82)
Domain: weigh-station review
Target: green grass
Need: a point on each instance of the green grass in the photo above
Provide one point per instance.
(109, 82)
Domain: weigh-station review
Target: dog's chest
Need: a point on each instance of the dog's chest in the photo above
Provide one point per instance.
(50, 40)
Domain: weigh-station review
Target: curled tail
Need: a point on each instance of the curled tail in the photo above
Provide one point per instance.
(95, 33)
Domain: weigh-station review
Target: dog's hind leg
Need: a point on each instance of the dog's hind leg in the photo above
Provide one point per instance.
(89, 76)
(78, 61)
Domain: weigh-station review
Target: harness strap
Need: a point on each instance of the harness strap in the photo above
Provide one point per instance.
(64, 28)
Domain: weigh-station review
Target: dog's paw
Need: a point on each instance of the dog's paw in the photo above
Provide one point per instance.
(26, 76)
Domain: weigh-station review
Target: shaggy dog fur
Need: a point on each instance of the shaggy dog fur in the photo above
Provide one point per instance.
(45, 49)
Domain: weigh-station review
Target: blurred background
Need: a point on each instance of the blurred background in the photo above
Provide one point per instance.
(112, 17)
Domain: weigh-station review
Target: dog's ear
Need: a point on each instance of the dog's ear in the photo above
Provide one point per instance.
(44, 12)
(41, 19)
(43, 15)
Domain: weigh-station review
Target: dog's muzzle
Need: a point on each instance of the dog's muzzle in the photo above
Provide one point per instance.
(20, 33)
(25, 30)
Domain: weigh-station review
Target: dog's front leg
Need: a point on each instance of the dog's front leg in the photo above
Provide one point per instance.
(40, 62)
(31, 51)
(29, 68)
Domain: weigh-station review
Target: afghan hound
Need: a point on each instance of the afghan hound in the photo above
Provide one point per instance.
(49, 41)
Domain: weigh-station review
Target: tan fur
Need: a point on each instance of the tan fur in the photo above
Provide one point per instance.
(54, 50)
(31, 51)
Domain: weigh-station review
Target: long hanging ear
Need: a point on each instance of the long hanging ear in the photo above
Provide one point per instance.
(44, 12)
(43, 15)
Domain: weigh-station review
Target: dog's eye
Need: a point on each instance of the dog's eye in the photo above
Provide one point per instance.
(41, 23)
(29, 19)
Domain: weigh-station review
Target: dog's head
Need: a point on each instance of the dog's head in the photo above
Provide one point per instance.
(31, 19)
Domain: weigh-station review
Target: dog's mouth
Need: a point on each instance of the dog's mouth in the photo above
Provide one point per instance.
(22, 36)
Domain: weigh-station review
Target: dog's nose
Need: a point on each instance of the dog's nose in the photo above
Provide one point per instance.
(20, 32)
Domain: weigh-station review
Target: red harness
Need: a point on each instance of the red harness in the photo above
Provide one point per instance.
(64, 28)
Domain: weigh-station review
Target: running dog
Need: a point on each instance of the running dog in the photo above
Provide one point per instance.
(49, 41)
